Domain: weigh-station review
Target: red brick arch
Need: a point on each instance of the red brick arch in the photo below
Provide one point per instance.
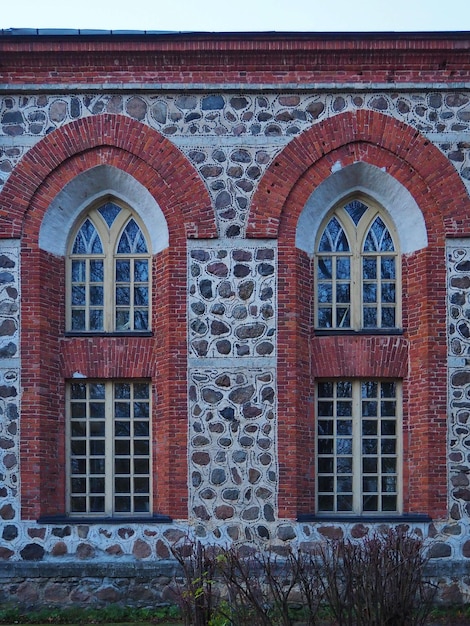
(115, 140)
(371, 137)
(418, 356)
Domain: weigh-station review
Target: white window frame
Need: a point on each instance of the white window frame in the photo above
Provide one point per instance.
(110, 237)
(356, 235)
(111, 455)
(336, 439)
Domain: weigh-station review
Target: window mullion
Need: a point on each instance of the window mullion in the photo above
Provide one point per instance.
(109, 448)
(357, 447)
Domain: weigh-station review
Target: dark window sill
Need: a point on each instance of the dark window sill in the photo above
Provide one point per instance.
(134, 333)
(368, 518)
(323, 332)
(66, 519)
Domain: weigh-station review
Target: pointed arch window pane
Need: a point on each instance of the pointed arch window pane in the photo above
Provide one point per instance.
(378, 238)
(109, 212)
(355, 210)
(87, 240)
(334, 238)
(132, 240)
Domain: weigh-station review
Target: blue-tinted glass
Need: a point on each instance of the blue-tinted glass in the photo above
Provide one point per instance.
(97, 466)
(123, 295)
(325, 465)
(369, 389)
(78, 271)
(355, 210)
(369, 293)
(96, 271)
(344, 503)
(369, 446)
(325, 292)
(343, 317)
(325, 427)
(369, 408)
(324, 318)
(325, 408)
(388, 292)
(344, 484)
(343, 268)
(344, 389)
(109, 211)
(141, 429)
(141, 320)
(325, 446)
(326, 503)
(324, 268)
(326, 483)
(388, 446)
(122, 391)
(344, 427)
(141, 390)
(344, 465)
(387, 268)
(378, 238)
(343, 446)
(141, 409)
(141, 466)
(87, 240)
(78, 391)
(97, 391)
(122, 409)
(78, 320)
(334, 238)
(389, 484)
(97, 410)
(141, 296)
(96, 295)
(343, 293)
(141, 271)
(369, 427)
(344, 408)
(96, 319)
(325, 390)
(388, 317)
(78, 294)
(389, 465)
(369, 268)
(123, 271)
(369, 465)
(388, 390)
(370, 318)
(132, 240)
(122, 320)
(370, 484)
(122, 429)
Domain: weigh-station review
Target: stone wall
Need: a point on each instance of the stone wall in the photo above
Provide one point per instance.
(230, 140)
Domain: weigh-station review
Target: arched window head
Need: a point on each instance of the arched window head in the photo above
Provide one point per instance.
(109, 269)
(357, 269)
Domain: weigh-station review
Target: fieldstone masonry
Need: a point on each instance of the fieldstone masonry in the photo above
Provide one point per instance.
(231, 137)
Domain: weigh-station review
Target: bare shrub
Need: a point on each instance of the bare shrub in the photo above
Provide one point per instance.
(378, 581)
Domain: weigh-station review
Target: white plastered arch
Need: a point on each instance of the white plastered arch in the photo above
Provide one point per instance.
(402, 208)
(87, 187)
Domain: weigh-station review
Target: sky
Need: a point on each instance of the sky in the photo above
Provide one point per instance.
(239, 15)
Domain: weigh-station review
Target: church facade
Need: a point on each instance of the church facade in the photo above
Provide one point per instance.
(234, 299)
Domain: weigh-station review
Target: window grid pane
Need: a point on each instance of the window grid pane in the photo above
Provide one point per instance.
(357, 447)
(132, 294)
(109, 274)
(109, 448)
(366, 295)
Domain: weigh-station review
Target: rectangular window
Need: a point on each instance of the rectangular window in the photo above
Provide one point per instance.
(358, 447)
(109, 457)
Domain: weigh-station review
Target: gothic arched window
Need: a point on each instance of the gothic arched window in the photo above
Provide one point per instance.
(109, 270)
(357, 270)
